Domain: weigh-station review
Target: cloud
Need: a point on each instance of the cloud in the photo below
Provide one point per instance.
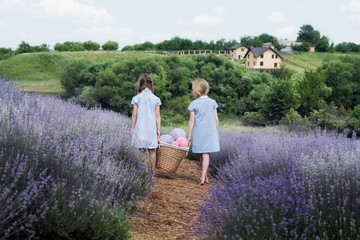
(6, 4)
(191, 35)
(219, 9)
(64, 37)
(106, 30)
(72, 10)
(181, 22)
(3, 26)
(206, 20)
(277, 17)
(355, 18)
(353, 8)
(156, 38)
(289, 32)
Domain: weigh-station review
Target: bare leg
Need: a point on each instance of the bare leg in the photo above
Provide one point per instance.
(153, 159)
(204, 160)
(145, 156)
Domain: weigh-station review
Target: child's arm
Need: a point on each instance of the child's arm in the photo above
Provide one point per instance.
(217, 120)
(133, 118)
(158, 120)
(191, 125)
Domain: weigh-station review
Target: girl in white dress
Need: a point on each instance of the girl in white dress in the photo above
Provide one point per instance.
(145, 120)
(203, 126)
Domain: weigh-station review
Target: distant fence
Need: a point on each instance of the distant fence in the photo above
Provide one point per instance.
(196, 52)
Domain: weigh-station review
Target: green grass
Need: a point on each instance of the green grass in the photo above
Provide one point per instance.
(308, 61)
(40, 72)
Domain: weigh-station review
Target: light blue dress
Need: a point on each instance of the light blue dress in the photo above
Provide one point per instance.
(145, 135)
(205, 137)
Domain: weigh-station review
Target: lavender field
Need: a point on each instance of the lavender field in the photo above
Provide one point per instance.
(65, 172)
(275, 187)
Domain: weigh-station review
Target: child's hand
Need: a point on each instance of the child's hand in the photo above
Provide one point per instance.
(189, 141)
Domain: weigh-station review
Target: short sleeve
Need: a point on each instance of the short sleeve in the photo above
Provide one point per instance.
(191, 106)
(157, 101)
(215, 105)
(135, 101)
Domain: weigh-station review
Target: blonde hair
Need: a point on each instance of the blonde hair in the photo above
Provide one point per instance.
(200, 87)
(144, 81)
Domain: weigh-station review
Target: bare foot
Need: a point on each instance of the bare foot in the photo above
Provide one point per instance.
(206, 179)
(202, 181)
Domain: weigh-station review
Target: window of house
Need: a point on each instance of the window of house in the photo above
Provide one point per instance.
(248, 63)
(261, 63)
(272, 56)
(276, 56)
(254, 63)
(242, 49)
(249, 56)
(275, 65)
(262, 56)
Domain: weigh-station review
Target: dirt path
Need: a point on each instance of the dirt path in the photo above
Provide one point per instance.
(171, 208)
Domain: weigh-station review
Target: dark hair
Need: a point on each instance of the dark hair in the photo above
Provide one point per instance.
(144, 81)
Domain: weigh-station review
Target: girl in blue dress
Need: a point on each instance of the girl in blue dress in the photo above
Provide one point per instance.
(145, 120)
(203, 125)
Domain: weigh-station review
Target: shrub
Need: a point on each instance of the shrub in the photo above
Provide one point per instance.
(323, 119)
(87, 97)
(72, 76)
(292, 117)
(272, 187)
(353, 120)
(253, 119)
(66, 172)
(110, 46)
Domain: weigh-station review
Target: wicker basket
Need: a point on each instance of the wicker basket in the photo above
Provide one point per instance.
(169, 157)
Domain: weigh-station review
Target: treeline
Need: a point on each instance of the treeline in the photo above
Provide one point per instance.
(23, 48)
(61, 47)
(177, 43)
(328, 97)
(85, 46)
(309, 36)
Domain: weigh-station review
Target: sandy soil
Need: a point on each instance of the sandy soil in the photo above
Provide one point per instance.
(170, 209)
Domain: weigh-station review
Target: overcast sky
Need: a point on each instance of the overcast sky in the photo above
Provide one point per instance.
(136, 21)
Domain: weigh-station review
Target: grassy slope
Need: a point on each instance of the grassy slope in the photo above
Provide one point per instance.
(39, 72)
(308, 61)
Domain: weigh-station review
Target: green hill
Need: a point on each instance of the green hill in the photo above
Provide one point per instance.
(39, 72)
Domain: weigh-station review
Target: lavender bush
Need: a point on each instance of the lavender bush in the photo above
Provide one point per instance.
(273, 187)
(64, 170)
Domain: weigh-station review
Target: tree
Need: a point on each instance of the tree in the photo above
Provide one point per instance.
(61, 47)
(72, 77)
(42, 48)
(304, 47)
(251, 41)
(308, 34)
(340, 77)
(78, 46)
(313, 91)
(110, 46)
(91, 46)
(24, 48)
(322, 45)
(5, 53)
(279, 98)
